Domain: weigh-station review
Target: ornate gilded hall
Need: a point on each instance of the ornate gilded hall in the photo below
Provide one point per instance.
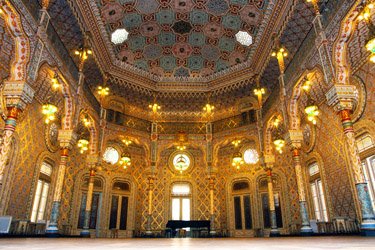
(187, 123)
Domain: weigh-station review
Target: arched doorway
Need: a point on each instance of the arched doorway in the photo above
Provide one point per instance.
(241, 207)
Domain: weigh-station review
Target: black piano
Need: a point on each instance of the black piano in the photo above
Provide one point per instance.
(194, 224)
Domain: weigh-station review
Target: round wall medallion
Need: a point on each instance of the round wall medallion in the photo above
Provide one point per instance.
(181, 161)
(51, 137)
(309, 133)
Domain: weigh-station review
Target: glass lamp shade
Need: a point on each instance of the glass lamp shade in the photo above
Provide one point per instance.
(83, 145)
(125, 161)
(370, 45)
(237, 157)
(49, 111)
(312, 111)
(279, 144)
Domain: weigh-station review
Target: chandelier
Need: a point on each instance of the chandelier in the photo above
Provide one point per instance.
(278, 141)
(237, 160)
(49, 110)
(83, 145)
(365, 15)
(208, 108)
(55, 82)
(154, 107)
(311, 110)
(103, 91)
(125, 160)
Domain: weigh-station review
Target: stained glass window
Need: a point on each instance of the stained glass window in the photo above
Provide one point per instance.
(181, 162)
(111, 155)
(251, 156)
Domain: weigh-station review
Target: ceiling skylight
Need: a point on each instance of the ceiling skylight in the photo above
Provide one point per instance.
(244, 38)
(119, 36)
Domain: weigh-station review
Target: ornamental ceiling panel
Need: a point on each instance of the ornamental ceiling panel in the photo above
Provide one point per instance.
(185, 40)
(181, 38)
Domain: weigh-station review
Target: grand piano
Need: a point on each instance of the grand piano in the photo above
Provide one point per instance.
(193, 224)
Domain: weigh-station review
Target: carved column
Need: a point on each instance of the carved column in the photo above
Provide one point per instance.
(17, 96)
(294, 139)
(67, 139)
(154, 150)
(211, 177)
(92, 161)
(150, 189)
(343, 99)
(267, 162)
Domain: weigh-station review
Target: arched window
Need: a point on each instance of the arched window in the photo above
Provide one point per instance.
(181, 201)
(119, 206)
(41, 193)
(95, 204)
(317, 193)
(365, 145)
(263, 190)
(242, 205)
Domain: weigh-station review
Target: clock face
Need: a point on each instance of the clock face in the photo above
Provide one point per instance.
(51, 137)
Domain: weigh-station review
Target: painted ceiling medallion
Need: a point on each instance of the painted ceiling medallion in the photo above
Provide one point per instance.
(182, 27)
(251, 15)
(182, 50)
(150, 29)
(113, 12)
(184, 6)
(217, 7)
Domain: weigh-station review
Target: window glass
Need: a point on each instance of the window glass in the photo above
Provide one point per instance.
(41, 193)
(111, 155)
(181, 189)
(313, 169)
(241, 185)
(46, 169)
(364, 142)
(175, 209)
(251, 156)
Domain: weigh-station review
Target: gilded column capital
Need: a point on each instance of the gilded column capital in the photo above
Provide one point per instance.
(267, 161)
(18, 94)
(67, 138)
(294, 138)
(342, 96)
(92, 161)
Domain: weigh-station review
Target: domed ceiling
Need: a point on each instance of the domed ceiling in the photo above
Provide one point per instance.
(182, 38)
